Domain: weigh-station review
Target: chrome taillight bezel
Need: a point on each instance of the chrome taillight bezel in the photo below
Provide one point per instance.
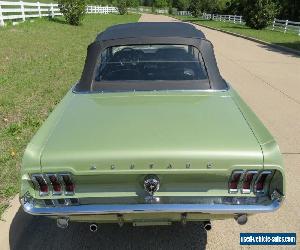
(248, 191)
(253, 185)
(52, 187)
(234, 191)
(64, 184)
(269, 174)
(37, 185)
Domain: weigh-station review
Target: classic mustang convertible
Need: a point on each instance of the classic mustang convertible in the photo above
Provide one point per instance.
(150, 135)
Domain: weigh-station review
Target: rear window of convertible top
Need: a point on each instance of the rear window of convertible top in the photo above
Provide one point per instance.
(150, 67)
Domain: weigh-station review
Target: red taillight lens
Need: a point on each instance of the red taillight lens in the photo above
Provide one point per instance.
(41, 184)
(69, 185)
(57, 189)
(247, 181)
(260, 182)
(234, 181)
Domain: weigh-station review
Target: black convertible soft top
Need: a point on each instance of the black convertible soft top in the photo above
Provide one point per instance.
(150, 33)
(150, 29)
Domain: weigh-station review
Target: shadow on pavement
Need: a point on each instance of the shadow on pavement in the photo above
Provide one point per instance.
(31, 232)
(292, 45)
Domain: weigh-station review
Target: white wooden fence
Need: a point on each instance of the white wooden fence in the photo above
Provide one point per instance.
(280, 25)
(184, 13)
(101, 9)
(146, 9)
(286, 25)
(224, 18)
(20, 11)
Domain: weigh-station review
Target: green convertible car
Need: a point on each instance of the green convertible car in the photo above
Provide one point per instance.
(150, 135)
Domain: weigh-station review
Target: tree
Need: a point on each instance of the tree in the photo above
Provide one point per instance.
(258, 14)
(181, 4)
(290, 9)
(73, 10)
(195, 8)
(199, 6)
(235, 7)
(160, 3)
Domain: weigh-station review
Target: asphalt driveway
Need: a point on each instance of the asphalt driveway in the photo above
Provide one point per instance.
(269, 81)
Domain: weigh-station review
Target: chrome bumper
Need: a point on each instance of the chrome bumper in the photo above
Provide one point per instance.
(29, 207)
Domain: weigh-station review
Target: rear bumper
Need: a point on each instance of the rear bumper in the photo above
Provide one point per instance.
(29, 207)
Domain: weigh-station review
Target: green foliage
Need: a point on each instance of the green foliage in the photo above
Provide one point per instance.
(258, 14)
(290, 9)
(73, 10)
(195, 8)
(181, 4)
(160, 4)
(123, 5)
(199, 6)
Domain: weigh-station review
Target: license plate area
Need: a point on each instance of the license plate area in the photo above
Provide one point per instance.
(151, 223)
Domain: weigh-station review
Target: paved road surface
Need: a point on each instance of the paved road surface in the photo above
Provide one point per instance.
(269, 81)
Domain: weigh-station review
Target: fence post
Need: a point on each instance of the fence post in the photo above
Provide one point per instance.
(273, 25)
(234, 19)
(286, 25)
(298, 33)
(22, 10)
(1, 18)
(39, 9)
(52, 10)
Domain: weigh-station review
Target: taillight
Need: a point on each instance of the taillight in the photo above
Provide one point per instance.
(234, 181)
(259, 186)
(56, 186)
(41, 184)
(69, 185)
(248, 178)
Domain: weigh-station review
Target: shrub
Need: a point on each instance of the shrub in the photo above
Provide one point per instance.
(258, 14)
(122, 7)
(73, 10)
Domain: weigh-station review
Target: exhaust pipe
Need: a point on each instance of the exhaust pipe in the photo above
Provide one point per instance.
(93, 228)
(62, 222)
(241, 219)
(207, 225)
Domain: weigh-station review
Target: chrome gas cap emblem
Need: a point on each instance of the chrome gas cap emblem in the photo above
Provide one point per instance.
(151, 184)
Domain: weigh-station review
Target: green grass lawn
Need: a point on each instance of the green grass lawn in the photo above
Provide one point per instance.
(290, 40)
(39, 62)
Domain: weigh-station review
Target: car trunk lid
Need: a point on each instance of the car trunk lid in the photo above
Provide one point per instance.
(141, 131)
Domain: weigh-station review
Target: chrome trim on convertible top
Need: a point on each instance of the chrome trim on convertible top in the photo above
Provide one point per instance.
(28, 206)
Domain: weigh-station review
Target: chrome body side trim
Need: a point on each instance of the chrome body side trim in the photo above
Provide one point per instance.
(29, 207)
